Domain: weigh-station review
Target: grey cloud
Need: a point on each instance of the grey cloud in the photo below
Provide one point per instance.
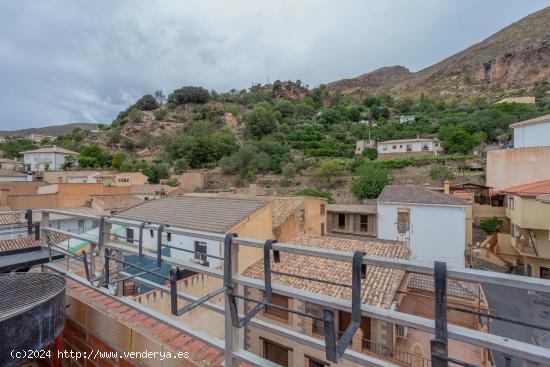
(65, 61)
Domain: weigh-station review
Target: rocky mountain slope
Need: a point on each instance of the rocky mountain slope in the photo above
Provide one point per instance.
(514, 58)
(54, 130)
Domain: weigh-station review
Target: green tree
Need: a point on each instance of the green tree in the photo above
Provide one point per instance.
(93, 154)
(441, 173)
(181, 165)
(147, 103)
(370, 153)
(456, 140)
(262, 120)
(117, 159)
(156, 172)
(70, 162)
(289, 171)
(370, 183)
(491, 225)
(329, 170)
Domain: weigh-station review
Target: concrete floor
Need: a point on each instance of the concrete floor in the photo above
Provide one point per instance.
(533, 308)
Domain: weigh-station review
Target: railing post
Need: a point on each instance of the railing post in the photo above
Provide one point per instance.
(231, 266)
(28, 215)
(439, 345)
(45, 221)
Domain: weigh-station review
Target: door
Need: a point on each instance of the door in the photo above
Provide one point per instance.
(544, 273)
(345, 320)
(341, 221)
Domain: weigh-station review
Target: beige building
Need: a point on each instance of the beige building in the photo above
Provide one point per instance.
(129, 179)
(111, 204)
(154, 191)
(529, 227)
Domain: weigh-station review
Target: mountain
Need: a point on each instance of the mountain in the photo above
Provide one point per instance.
(516, 57)
(54, 130)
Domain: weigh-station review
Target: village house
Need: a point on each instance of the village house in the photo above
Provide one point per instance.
(111, 204)
(527, 209)
(353, 219)
(154, 191)
(361, 145)
(409, 148)
(384, 287)
(46, 158)
(130, 179)
(527, 162)
(8, 164)
(433, 224)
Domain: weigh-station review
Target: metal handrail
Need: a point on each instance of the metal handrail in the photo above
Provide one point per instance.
(489, 341)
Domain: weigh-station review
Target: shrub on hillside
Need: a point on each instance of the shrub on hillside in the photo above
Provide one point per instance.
(147, 103)
(188, 95)
(441, 173)
(370, 183)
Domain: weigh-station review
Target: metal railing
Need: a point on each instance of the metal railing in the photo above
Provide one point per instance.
(233, 353)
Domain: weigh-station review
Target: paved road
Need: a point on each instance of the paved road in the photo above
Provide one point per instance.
(521, 305)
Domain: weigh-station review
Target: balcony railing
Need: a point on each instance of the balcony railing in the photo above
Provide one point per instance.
(525, 247)
(231, 342)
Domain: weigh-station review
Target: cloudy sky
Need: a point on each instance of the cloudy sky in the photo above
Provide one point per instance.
(69, 61)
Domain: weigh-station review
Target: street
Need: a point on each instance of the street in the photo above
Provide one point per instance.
(518, 304)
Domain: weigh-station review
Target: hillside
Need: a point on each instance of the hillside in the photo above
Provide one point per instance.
(53, 130)
(515, 58)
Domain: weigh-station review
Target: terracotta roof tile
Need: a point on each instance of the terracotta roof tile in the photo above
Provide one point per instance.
(200, 354)
(457, 288)
(532, 189)
(536, 120)
(11, 173)
(378, 288)
(121, 201)
(8, 218)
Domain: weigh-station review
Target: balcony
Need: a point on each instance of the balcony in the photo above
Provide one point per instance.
(525, 246)
(393, 355)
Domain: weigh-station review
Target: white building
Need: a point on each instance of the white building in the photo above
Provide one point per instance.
(433, 224)
(6, 163)
(532, 133)
(46, 158)
(409, 147)
(406, 119)
(7, 175)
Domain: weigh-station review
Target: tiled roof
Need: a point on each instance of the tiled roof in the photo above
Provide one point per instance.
(11, 173)
(167, 336)
(151, 188)
(529, 190)
(216, 215)
(284, 207)
(8, 218)
(352, 208)
(464, 195)
(457, 288)
(377, 289)
(29, 242)
(121, 201)
(416, 195)
(51, 150)
(7, 160)
(536, 120)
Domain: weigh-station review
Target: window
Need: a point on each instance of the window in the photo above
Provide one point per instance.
(311, 362)
(323, 209)
(511, 203)
(364, 223)
(81, 226)
(385, 147)
(129, 235)
(403, 217)
(169, 236)
(146, 198)
(544, 273)
(529, 270)
(400, 146)
(394, 147)
(318, 327)
(151, 233)
(322, 229)
(275, 353)
(278, 300)
(409, 147)
(425, 147)
(200, 251)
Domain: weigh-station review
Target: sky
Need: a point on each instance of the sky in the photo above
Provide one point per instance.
(84, 61)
